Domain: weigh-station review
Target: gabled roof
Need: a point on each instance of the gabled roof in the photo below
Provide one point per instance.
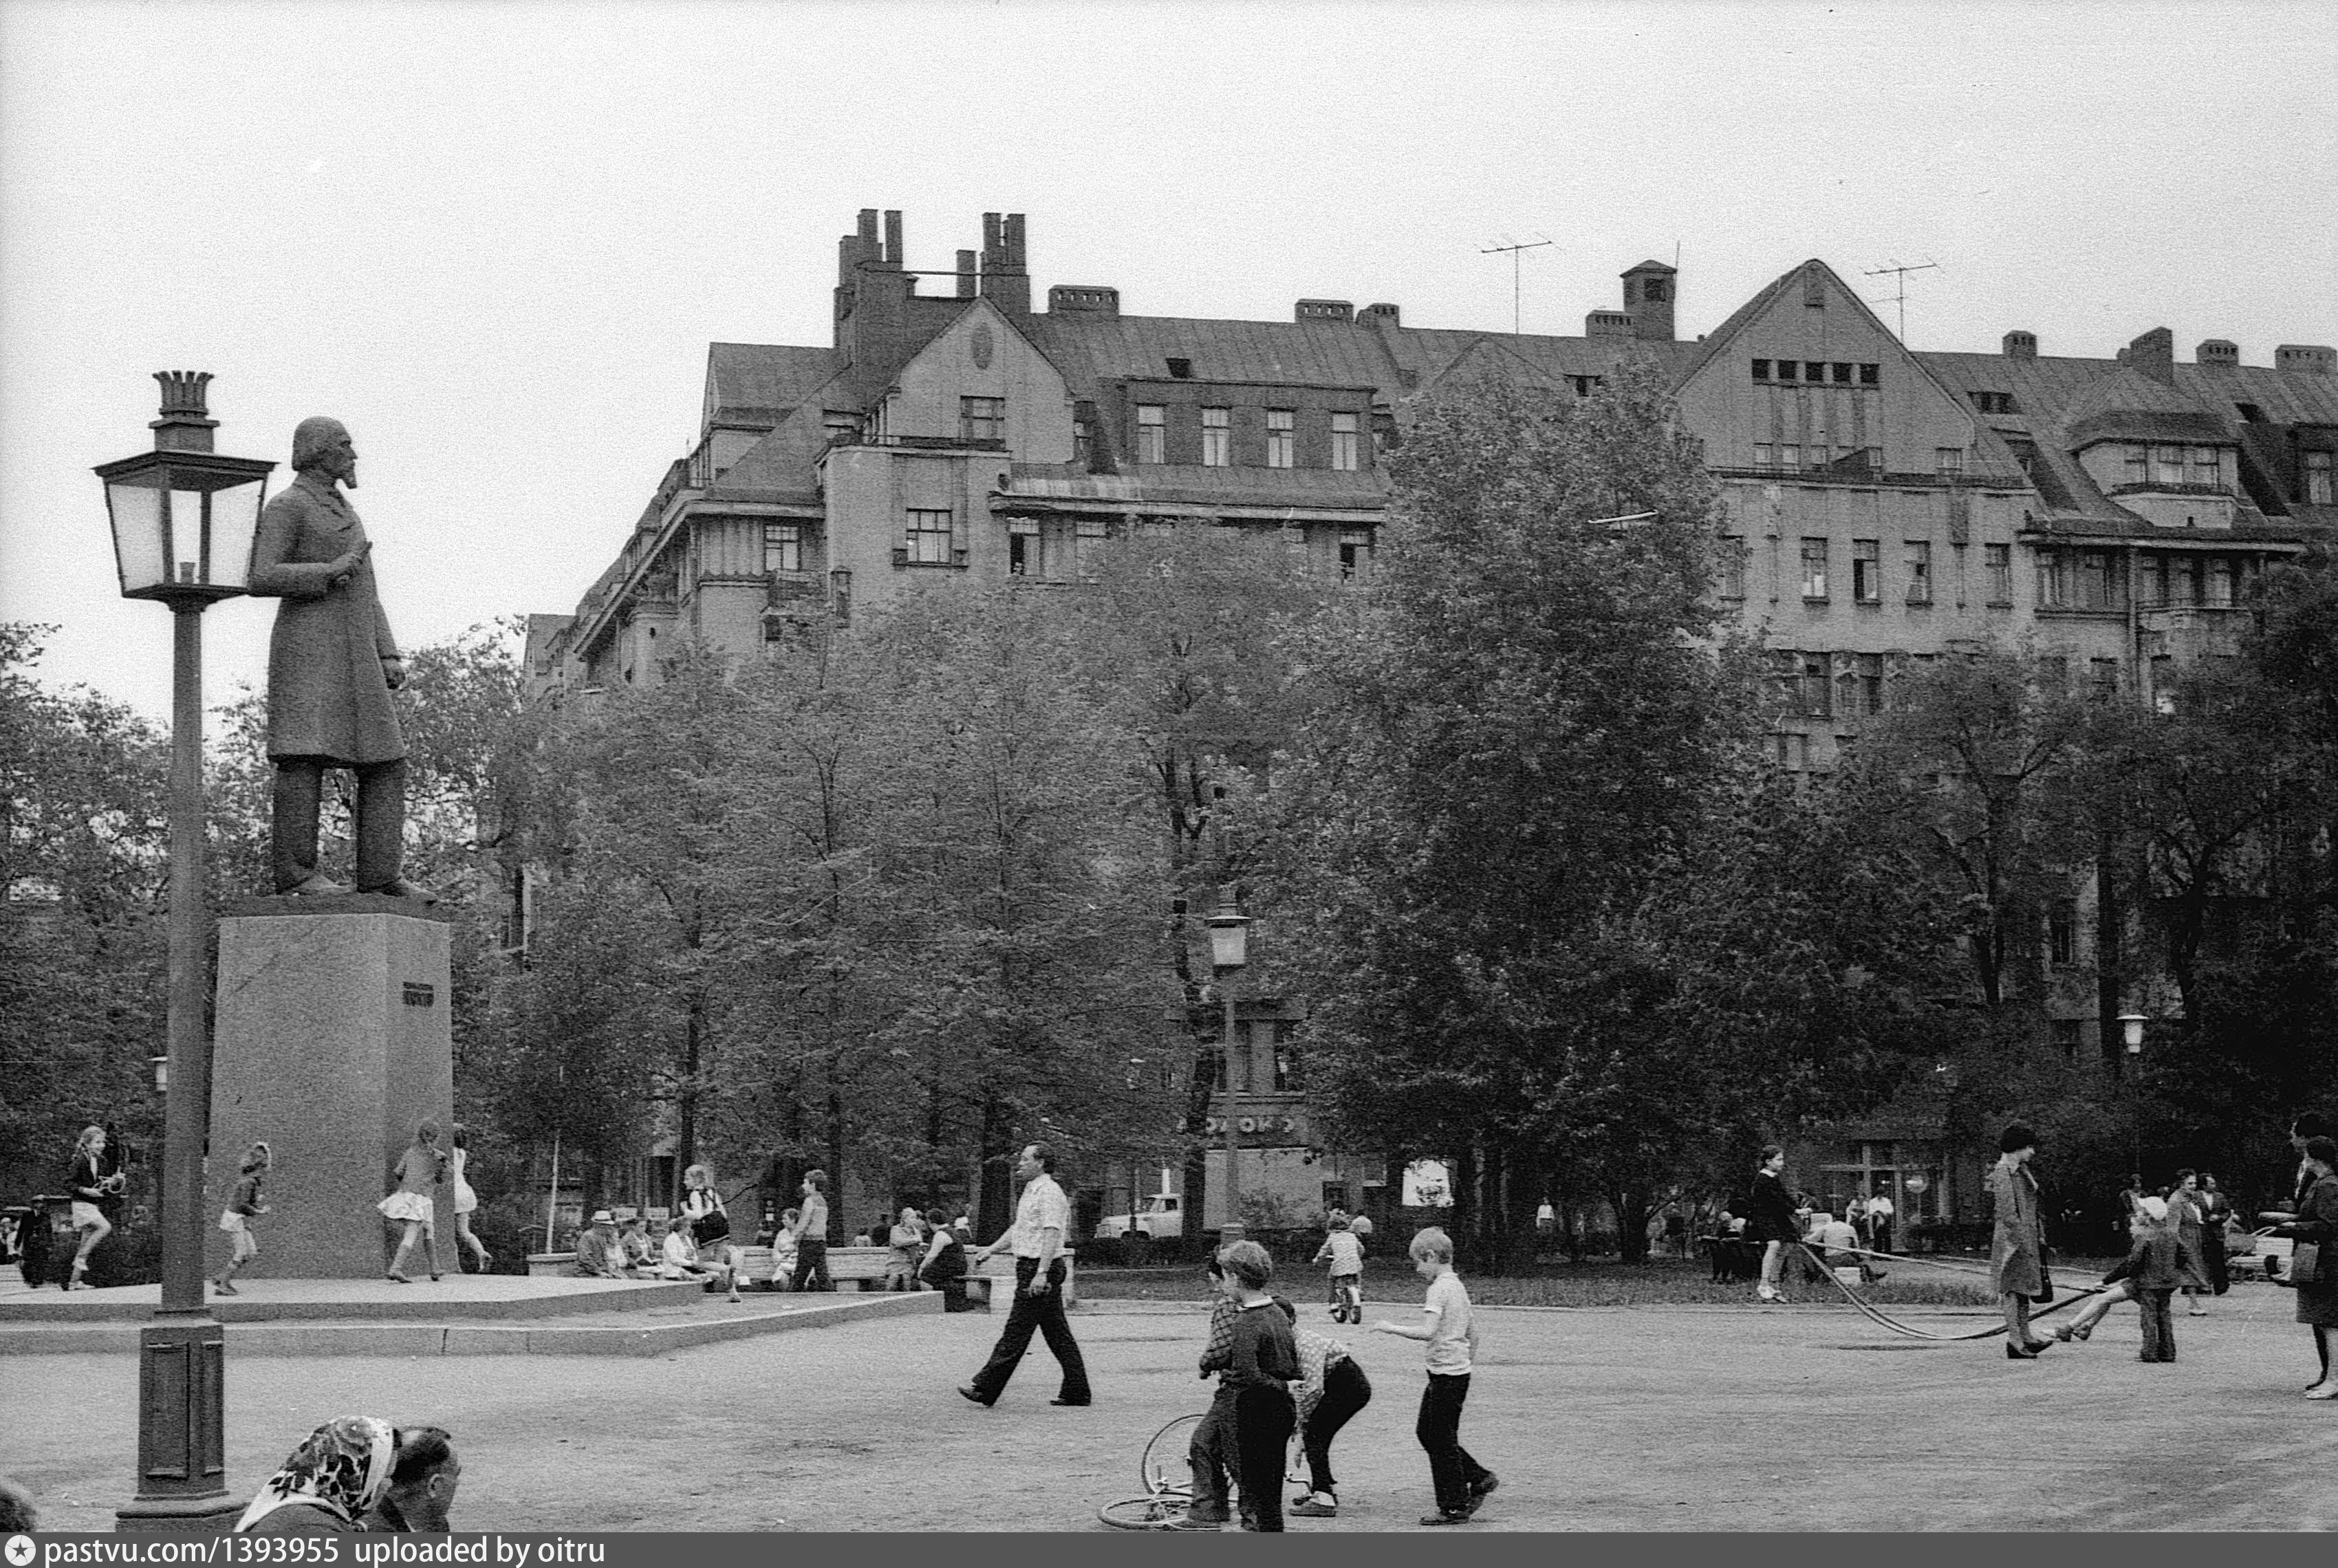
(1089, 348)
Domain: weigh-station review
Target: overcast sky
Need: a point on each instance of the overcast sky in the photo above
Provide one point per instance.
(497, 238)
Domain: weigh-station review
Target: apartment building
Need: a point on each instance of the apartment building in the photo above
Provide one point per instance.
(1884, 507)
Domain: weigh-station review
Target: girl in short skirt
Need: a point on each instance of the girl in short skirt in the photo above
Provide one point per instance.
(467, 1203)
(90, 1185)
(421, 1172)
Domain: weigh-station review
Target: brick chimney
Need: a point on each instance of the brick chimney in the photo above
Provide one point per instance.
(966, 274)
(893, 239)
(2154, 354)
(2021, 345)
(1380, 315)
(1083, 298)
(1340, 310)
(2217, 351)
(1607, 324)
(1006, 271)
(2307, 358)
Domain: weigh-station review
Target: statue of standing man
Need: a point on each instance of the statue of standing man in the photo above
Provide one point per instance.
(331, 667)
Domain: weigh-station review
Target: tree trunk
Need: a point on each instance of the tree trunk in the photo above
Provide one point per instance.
(1631, 1206)
(835, 1152)
(997, 1207)
(1524, 1195)
(1463, 1176)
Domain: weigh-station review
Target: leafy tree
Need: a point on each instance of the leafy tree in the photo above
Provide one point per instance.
(1530, 721)
(84, 902)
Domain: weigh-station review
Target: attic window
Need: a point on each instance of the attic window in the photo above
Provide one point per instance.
(2251, 412)
(1761, 369)
(1995, 403)
(1789, 369)
(1181, 369)
(1868, 374)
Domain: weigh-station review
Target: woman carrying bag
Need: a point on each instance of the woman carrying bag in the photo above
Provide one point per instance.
(2016, 1248)
(2313, 1266)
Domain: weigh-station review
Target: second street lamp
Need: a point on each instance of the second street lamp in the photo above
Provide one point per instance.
(1229, 952)
(182, 519)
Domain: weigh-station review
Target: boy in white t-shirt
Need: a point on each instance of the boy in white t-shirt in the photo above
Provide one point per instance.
(1462, 1484)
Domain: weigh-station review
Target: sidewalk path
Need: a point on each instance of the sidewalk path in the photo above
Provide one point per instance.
(1798, 1417)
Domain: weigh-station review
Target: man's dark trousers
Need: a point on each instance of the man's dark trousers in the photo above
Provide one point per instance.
(1456, 1474)
(300, 794)
(812, 1264)
(1044, 1313)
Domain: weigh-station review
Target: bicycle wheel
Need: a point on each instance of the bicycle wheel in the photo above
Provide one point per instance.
(1156, 1511)
(1163, 1465)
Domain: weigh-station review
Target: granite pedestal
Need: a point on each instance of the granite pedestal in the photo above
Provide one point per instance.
(332, 1040)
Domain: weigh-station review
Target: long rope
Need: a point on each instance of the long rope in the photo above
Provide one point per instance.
(1876, 1313)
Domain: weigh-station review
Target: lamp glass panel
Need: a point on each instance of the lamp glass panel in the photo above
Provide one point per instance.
(1228, 945)
(135, 509)
(186, 563)
(235, 518)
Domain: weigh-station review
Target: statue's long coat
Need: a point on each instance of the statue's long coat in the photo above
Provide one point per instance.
(327, 695)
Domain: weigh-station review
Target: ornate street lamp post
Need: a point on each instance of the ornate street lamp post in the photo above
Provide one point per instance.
(182, 519)
(1229, 952)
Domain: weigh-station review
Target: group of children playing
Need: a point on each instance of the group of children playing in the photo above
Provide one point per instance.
(1275, 1378)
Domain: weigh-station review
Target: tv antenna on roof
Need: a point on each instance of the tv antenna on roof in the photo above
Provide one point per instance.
(1514, 246)
(1899, 273)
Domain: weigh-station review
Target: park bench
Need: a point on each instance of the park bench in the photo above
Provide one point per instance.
(864, 1267)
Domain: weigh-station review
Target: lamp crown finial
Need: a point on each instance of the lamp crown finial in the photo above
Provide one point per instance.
(185, 425)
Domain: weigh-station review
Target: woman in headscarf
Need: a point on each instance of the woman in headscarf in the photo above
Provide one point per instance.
(2016, 1251)
(339, 1471)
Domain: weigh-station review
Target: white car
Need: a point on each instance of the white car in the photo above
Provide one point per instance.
(1162, 1217)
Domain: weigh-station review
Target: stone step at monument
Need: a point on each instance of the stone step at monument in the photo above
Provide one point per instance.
(655, 1330)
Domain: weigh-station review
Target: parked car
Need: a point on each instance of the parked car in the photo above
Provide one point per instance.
(1161, 1216)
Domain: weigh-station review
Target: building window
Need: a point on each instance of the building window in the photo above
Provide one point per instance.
(1761, 369)
(1814, 371)
(1815, 703)
(1995, 403)
(1583, 385)
(1355, 551)
(1344, 444)
(982, 418)
(1998, 561)
(2224, 582)
(1290, 1071)
(1841, 373)
(1217, 437)
(2135, 466)
(2207, 467)
(2321, 488)
(1948, 460)
(929, 535)
(1281, 445)
(1793, 750)
(842, 425)
(1814, 568)
(1789, 369)
(1764, 455)
(2066, 1038)
(2167, 465)
(1867, 571)
(783, 547)
(1083, 442)
(2103, 679)
(1733, 566)
(2062, 934)
(1864, 684)
(1026, 548)
(2101, 586)
(1919, 571)
(1088, 536)
(1790, 457)
(1152, 432)
(1868, 375)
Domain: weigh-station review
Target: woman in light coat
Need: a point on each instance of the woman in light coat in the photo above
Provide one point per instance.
(2016, 1248)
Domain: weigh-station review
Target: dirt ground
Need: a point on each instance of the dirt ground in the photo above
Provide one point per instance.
(1640, 1419)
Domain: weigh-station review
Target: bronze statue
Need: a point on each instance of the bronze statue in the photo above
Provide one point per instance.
(331, 667)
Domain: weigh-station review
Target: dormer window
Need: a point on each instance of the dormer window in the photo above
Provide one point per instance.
(2320, 487)
(1181, 369)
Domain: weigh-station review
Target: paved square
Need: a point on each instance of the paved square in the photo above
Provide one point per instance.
(1629, 1419)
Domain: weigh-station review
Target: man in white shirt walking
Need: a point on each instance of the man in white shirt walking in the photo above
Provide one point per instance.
(1043, 1219)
